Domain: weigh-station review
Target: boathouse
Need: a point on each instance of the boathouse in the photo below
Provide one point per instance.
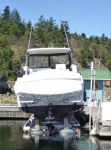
(102, 84)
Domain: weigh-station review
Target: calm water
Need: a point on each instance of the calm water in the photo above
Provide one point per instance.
(12, 138)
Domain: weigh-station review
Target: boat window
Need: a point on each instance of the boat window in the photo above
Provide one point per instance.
(38, 62)
(59, 59)
(49, 60)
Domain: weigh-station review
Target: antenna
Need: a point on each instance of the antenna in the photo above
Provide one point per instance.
(30, 37)
(65, 33)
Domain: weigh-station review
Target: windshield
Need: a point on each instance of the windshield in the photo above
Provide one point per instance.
(45, 61)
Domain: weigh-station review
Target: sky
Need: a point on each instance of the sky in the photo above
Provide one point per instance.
(92, 17)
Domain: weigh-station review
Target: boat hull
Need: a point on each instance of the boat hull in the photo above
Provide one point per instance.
(59, 104)
(58, 90)
(56, 110)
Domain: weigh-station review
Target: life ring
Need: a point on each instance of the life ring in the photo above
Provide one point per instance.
(96, 87)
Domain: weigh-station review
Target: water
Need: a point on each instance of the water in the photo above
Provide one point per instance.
(12, 138)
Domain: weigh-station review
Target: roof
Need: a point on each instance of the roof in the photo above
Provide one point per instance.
(99, 74)
(48, 50)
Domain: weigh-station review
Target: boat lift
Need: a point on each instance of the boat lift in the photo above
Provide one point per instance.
(69, 125)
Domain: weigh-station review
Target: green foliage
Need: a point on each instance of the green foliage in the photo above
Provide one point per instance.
(85, 55)
(47, 33)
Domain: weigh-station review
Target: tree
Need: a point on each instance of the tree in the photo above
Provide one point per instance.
(85, 55)
(62, 41)
(83, 35)
(96, 40)
(104, 40)
(15, 17)
(6, 14)
(108, 46)
(46, 32)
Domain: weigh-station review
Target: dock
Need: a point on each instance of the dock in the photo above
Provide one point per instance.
(12, 111)
(100, 115)
(102, 122)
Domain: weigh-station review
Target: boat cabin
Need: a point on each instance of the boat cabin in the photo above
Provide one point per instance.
(45, 58)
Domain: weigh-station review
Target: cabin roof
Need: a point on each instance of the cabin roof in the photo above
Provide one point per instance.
(99, 74)
(48, 50)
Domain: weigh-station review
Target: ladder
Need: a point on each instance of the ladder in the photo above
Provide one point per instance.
(73, 121)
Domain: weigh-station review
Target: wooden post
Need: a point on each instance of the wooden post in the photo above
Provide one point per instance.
(79, 133)
(36, 139)
(66, 123)
(37, 124)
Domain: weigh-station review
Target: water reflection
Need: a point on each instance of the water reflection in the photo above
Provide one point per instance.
(54, 142)
(13, 138)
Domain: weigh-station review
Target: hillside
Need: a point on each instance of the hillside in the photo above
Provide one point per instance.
(14, 39)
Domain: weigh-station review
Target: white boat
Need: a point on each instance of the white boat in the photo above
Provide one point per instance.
(50, 86)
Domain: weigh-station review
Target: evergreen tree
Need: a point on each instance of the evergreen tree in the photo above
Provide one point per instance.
(6, 14)
(15, 17)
